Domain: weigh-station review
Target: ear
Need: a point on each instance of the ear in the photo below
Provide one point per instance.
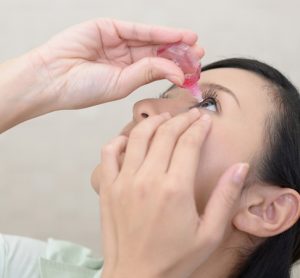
(267, 210)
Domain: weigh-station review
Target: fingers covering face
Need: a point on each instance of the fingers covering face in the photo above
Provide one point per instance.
(162, 146)
(158, 145)
(166, 141)
(139, 141)
(109, 168)
(186, 156)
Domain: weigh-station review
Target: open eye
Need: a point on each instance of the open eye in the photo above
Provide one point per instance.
(209, 104)
(210, 100)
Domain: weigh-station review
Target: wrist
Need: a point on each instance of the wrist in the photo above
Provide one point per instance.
(22, 88)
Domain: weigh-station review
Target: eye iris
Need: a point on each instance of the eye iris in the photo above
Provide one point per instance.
(207, 103)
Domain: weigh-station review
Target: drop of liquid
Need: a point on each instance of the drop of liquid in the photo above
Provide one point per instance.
(183, 56)
(191, 83)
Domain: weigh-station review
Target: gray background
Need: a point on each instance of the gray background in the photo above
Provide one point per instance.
(45, 164)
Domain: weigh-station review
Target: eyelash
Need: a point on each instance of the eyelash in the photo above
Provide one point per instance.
(208, 94)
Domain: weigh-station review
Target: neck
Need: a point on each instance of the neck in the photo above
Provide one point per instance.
(222, 263)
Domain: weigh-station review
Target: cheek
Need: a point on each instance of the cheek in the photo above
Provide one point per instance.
(220, 150)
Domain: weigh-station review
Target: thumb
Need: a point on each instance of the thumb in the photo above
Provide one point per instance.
(223, 199)
(147, 70)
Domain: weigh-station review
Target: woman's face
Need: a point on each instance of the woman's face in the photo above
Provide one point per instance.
(238, 102)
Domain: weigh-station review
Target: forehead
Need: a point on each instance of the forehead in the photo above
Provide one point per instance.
(253, 92)
(244, 84)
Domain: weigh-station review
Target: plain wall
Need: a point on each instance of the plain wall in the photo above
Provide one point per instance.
(45, 164)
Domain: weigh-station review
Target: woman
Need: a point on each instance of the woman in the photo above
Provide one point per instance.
(255, 114)
(88, 64)
(109, 59)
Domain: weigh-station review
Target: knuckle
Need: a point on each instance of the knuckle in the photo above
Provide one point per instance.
(171, 189)
(98, 181)
(141, 190)
(150, 70)
(135, 32)
(142, 187)
(108, 149)
(171, 192)
(145, 180)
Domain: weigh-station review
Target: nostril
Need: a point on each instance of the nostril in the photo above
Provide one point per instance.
(144, 115)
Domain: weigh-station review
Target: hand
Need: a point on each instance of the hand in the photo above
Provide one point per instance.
(88, 64)
(150, 224)
(104, 60)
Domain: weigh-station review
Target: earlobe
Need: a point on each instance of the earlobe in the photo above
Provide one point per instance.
(268, 212)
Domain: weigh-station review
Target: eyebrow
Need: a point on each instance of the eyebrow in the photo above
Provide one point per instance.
(219, 87)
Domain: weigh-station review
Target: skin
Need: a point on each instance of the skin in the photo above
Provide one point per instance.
(103, 60)
(229, 136)
(107, 58)
(243, 220)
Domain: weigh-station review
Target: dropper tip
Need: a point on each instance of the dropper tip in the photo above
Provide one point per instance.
(196, 92)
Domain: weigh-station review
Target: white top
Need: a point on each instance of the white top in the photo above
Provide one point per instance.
(19, 256)
(22, 257)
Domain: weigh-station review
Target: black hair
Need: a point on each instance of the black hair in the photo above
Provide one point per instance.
(278, 165)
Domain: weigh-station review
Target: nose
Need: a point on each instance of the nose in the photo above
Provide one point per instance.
(146, 108)
(150, 107)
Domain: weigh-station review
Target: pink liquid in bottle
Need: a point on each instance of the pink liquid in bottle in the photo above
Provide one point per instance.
(183, 55)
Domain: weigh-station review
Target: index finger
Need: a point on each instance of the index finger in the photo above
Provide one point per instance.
(186, 156)
(153, 34)
(139, 52)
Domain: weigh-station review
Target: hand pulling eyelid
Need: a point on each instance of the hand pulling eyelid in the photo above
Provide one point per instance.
(184, 57)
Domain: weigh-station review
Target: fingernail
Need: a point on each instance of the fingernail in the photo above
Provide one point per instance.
(240, 173)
